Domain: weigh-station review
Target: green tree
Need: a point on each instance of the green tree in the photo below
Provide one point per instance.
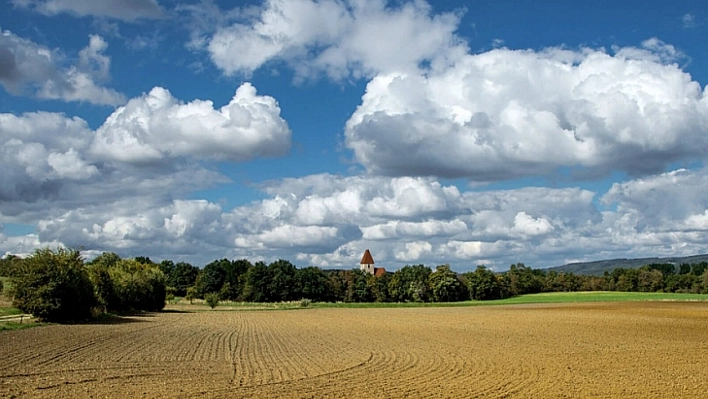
(667, 269)
(211, 299)
(256, 283)
(378, 287)
(336, 285)
(104, 291)
(9, 265)
(699, 268)
(524, 280)
(312, 283)
(649, 280)
(212, 277)
(106, 259)
(170, 294)
(685, 283)
(138, 286)
(181, 276)
(282, 281)
(53, 285)
(684, 268)
(410, 284)
(235, 278)
(1, 287)
(444, 285)
(484, 284)
(357, 287)
(191, 294)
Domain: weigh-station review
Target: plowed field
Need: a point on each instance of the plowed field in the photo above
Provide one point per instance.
(601, 350)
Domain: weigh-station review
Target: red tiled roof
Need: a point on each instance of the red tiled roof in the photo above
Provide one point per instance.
(367, 259)
(379, 271)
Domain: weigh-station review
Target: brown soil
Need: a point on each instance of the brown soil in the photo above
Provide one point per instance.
(602, 350)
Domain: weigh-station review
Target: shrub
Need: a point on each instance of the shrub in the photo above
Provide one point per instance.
(138, 286)
(1, 287)
(53, 285)
(212, 299)
(191, 294)
(305, 302)
(170, 294)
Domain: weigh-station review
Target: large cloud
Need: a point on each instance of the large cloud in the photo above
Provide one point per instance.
(28, 66)
(126, 10)
(506, 113)
(158, 126)
(340, 38)
(152, 149)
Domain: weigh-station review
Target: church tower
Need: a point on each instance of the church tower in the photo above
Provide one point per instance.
(367, 263)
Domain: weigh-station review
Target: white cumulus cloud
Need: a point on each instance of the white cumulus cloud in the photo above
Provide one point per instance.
(156, 126)
(510, 113)
(339, 38)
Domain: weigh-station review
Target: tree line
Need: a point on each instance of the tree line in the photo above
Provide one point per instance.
(50, 281)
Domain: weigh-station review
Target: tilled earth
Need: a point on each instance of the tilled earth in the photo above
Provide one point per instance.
(599, 350)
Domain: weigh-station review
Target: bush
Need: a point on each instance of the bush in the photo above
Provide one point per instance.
(54, 286)
(212, 299)
(170, 294)
(137, 286)
(305, 302)
(1, 287)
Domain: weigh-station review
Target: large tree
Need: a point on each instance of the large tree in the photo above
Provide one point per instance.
(53, 285)
(484, 284)
(444, 285)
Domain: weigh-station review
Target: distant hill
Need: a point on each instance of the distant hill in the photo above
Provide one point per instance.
(598, 268)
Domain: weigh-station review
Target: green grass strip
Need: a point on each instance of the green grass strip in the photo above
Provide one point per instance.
(9, 311)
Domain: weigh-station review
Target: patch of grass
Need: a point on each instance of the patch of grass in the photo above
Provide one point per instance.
(13, 325)
(9, 311)
(550, 297)
(599, 296)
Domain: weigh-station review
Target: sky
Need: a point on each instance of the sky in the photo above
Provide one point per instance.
(430, 132)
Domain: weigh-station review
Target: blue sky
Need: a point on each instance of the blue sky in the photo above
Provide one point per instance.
(429, 132)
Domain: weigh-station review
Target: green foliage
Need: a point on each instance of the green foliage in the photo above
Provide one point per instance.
(524, 280)
(256, 284)
(699, 268)
(138, 286)
(14, 325)
(211, 299)
(410, 284)
(181, 276)
(1, 287)
(102, 285)
(282, 281)
(54, 286)
(9, 265)
(649, 280)
(357, 287)
(684, 283)
(304, 302)
(667, 269)
(212, 277)
(484, 284)
(169, 294)
(312, 283)
(444, 285)
(9, 311)
(191, 294)
(378, 287)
